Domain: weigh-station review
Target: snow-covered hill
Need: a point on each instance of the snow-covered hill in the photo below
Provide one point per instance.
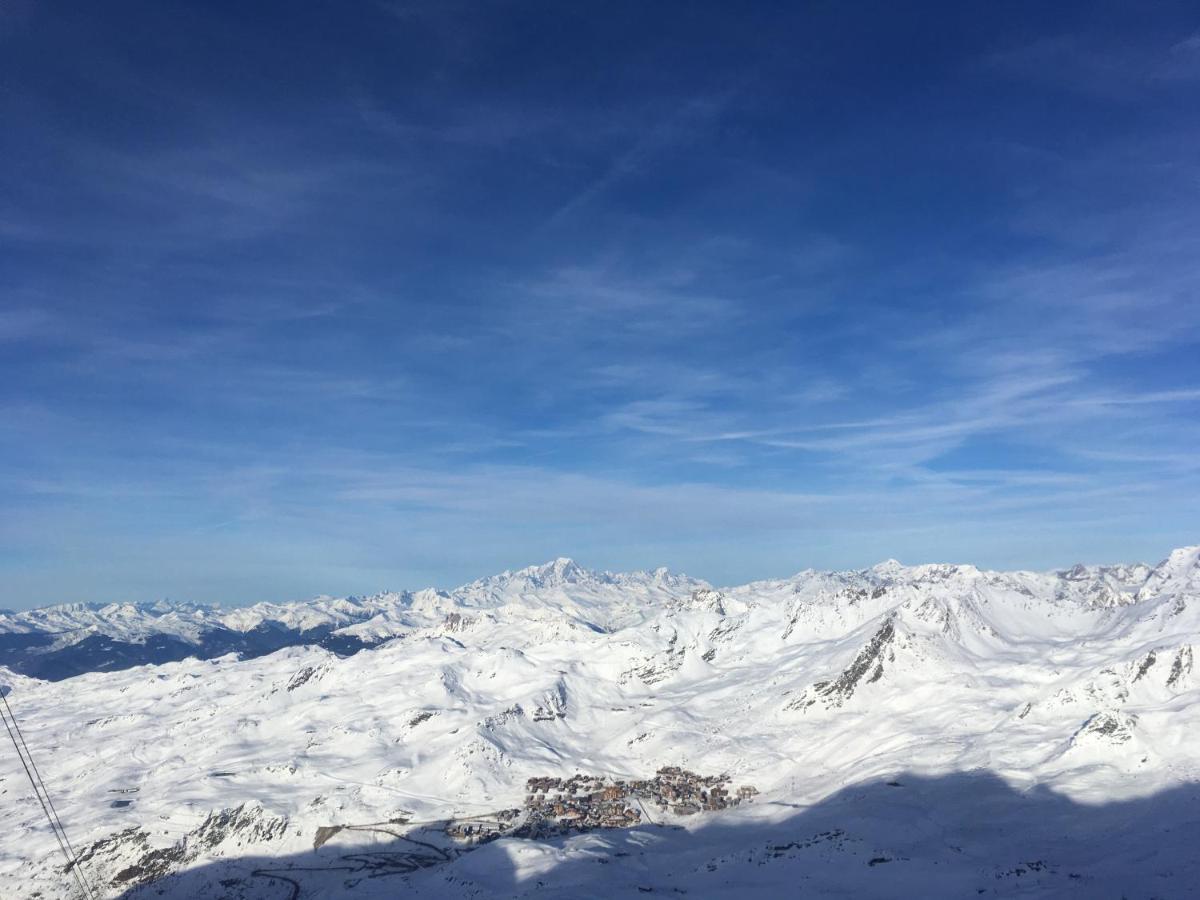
(58, 642)
(935, 730)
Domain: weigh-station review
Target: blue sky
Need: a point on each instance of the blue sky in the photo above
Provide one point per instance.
(336, 297)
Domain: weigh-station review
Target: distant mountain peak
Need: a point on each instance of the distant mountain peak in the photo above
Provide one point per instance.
(1182, 558)
(558, 570)
(887, 568)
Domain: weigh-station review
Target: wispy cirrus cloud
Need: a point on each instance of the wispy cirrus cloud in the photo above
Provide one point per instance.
(737, 299)
(673, 132)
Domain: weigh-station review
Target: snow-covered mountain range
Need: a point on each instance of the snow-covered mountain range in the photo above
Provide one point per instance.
(58, 642)
(935, 730)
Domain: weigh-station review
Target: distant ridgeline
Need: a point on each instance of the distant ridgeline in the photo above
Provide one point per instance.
(54, 656)
(58, 642)
(909, 612)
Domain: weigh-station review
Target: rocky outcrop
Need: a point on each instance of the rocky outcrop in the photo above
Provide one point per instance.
(128, 858)
(866, 667)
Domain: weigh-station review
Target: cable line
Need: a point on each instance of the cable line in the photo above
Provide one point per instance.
(62, 829)
(36, 791)
(43, 796)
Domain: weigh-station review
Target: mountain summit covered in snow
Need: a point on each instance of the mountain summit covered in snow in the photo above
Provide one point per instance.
(376, 728)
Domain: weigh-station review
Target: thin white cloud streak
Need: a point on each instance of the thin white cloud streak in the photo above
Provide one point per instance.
(687, 120)
(1104, 69)
(651, 305)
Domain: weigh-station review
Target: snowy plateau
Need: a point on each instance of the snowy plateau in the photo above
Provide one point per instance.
(899, 731)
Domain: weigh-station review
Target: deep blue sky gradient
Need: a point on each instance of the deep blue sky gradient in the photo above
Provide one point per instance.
(333, 297)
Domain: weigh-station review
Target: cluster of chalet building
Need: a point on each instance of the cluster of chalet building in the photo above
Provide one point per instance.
(586, 801)
(579, 802)
(583, 802)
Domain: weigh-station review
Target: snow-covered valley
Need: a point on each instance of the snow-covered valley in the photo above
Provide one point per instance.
(930, 730)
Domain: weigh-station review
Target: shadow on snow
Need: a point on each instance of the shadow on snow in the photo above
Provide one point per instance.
(955, 836)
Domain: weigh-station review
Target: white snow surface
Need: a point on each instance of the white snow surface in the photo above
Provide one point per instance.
(932, 730)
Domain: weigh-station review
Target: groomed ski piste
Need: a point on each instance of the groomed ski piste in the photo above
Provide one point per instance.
(931, 730)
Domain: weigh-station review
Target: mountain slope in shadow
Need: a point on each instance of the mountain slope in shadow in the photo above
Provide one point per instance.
(954, 836)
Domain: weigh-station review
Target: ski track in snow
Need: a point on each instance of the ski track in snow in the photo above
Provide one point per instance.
(930, 730)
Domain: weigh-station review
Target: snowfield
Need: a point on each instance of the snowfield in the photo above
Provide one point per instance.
(933, 730)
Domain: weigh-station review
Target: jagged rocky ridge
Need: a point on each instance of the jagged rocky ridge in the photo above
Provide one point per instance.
(1081, 682)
